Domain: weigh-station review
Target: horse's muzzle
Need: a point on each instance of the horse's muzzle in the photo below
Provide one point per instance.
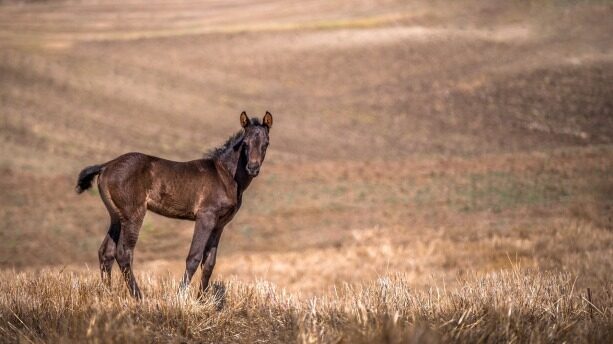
(253, 170)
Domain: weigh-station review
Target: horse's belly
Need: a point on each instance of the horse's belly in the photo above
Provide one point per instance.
(170, 207)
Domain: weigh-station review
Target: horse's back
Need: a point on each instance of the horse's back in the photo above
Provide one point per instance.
(127, 168)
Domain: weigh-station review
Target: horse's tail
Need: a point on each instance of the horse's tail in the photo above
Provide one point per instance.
(87, 176)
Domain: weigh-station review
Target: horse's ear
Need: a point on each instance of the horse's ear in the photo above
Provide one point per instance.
(244, 119)
(267, 120)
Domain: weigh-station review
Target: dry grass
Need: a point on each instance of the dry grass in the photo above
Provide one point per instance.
(506, 306)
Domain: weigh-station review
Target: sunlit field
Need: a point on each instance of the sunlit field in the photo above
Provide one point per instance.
(518, 306)
(437, 172)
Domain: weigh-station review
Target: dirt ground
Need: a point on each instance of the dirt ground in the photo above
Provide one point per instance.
(433, 139)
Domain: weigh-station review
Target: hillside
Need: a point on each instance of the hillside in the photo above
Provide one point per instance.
(436, 140)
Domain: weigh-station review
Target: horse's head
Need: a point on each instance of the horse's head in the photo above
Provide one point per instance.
(255, 141)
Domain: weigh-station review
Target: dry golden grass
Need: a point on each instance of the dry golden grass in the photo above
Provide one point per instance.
(506, 306)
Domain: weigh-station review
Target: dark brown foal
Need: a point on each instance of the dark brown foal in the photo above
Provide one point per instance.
(208, 191)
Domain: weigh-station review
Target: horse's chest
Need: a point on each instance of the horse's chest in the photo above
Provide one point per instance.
(229, 213)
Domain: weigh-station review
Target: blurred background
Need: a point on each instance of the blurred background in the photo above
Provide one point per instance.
(428, 138)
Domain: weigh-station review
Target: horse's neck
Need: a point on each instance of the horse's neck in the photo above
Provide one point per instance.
(242, 178)
(236, 178)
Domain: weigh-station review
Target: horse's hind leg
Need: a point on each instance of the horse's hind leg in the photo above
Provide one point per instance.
(125, 249)
(106, 253)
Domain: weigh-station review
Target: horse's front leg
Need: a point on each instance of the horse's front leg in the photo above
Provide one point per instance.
(208, 263)
(205, 223)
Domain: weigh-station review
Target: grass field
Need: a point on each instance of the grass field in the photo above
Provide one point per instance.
(508, 306)
(438, 171)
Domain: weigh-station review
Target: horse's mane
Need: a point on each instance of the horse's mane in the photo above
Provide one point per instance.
(230, 143)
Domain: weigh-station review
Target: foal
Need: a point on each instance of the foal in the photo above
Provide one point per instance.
(208, 191)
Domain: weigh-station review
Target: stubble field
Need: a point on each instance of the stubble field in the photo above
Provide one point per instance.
(438, 171)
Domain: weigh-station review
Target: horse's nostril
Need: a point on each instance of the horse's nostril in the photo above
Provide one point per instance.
(253, 169)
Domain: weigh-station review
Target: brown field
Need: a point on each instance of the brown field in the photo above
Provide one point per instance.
(439, 171)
